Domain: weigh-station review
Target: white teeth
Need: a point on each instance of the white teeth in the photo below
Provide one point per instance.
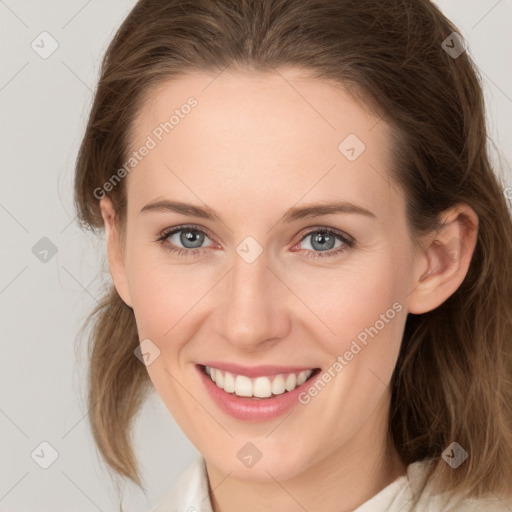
(229, 382)
(301, 378)
(243, 385)
(260, 387)
(291, 382)
(278, 385)
(219, 379)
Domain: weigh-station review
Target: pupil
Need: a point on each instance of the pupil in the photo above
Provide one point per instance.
(322, 239)
(192, 236)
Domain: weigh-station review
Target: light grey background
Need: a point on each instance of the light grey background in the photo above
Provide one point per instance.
(44, 107)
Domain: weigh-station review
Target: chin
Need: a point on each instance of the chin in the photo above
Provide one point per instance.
(270, 466)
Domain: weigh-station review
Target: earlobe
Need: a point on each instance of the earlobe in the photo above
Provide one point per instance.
(445, 261)
(114, 250)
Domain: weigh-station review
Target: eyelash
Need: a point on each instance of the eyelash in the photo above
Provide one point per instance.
(348, 243)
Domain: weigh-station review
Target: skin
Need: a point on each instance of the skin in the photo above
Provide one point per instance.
(256, 145)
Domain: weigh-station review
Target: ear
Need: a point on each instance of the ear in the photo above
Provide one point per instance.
(444, 262)
(115, 250)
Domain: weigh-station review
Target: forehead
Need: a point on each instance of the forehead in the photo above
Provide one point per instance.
(265, 136)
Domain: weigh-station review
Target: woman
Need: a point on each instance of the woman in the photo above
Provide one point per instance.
(310, 256)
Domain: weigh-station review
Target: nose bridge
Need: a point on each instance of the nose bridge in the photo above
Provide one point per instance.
(251, 312)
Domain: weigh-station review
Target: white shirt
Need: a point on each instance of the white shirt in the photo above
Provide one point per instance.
(190, 494)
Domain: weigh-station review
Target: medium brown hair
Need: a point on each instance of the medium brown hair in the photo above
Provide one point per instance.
(453, 378)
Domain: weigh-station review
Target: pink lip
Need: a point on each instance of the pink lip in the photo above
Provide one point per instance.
(251, 409)
(255, 371)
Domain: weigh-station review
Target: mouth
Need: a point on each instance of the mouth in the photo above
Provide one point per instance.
(263, 387)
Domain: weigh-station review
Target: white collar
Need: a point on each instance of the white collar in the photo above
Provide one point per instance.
(191, 494)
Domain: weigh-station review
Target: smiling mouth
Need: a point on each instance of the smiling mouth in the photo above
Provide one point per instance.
(258, 388)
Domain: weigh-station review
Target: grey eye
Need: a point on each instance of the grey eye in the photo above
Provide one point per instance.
(188, 238)
(321, 240)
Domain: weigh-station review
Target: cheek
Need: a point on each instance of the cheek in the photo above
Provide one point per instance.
(349, 301)
(162, 294)
(367, 317)
(161, 297)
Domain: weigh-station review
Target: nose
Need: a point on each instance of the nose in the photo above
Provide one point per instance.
(252, 309)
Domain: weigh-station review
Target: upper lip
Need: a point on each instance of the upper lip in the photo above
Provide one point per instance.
(255, 371)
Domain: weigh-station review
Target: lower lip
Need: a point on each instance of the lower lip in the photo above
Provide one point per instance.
(249, 409)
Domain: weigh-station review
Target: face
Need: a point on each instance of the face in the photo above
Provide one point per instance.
(261, 289)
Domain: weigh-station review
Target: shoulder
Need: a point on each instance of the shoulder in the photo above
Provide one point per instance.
(424, 500)
(413, 493)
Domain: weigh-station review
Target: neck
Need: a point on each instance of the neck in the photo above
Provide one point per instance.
(340, 482)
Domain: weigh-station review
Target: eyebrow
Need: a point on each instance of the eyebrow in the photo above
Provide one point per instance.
(292, 214)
